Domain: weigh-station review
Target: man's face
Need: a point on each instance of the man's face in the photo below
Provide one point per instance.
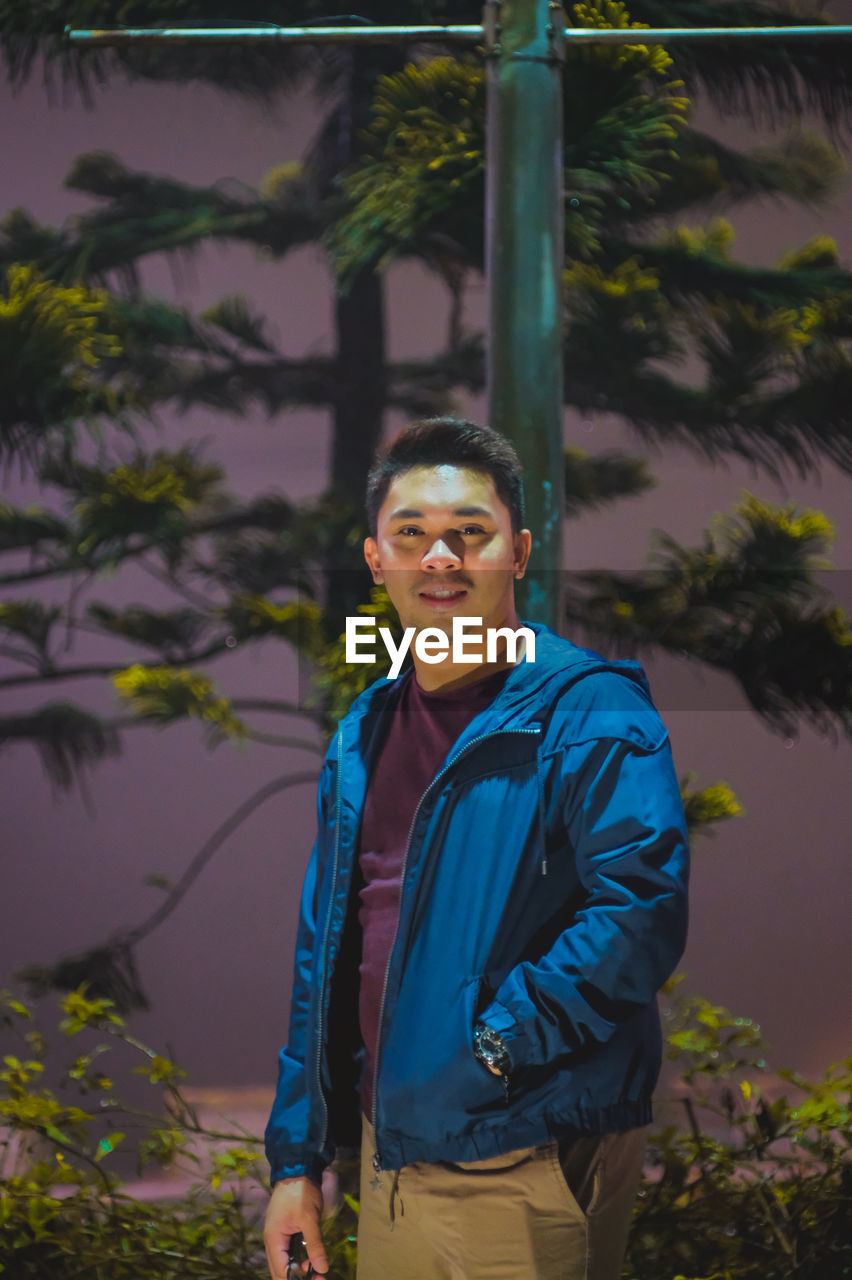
(445, 548)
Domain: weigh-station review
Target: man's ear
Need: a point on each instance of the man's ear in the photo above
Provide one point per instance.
(523, 547)
(371, 555)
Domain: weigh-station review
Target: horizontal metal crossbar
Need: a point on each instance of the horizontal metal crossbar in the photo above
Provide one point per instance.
(665, 35)
(117, 36)
(287, 35)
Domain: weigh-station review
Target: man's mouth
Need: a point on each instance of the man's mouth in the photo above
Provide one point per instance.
(443, 595)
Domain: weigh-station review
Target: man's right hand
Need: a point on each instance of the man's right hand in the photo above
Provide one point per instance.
(295, 1205)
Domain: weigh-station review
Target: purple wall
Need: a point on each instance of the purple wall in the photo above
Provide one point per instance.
(769, 935)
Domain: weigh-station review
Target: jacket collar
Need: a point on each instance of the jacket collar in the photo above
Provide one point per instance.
(527, 692)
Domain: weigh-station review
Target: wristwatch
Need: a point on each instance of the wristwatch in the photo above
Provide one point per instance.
(490, 1048)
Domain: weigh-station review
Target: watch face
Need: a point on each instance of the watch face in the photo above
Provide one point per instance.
(490, 1048)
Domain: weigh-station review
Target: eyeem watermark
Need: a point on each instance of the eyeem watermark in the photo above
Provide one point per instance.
(433, 645)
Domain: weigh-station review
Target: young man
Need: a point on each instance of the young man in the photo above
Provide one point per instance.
(496, 893)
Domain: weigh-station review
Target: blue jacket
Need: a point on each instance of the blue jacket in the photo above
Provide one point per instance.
(544, 892)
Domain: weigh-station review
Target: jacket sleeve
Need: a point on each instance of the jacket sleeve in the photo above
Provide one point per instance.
(291, 1136)
(618, 801)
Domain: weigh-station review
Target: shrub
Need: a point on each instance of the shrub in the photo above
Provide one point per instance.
(763, 1191)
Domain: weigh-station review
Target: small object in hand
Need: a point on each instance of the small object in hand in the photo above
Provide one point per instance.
(298, 1257)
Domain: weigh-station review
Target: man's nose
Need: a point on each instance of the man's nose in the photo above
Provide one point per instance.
(441, 556)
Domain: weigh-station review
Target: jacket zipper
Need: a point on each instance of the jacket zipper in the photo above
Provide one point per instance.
(325, 938)
(377, 1158)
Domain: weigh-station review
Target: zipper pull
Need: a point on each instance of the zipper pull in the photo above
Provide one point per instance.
(506, 1088)
(376, 1181)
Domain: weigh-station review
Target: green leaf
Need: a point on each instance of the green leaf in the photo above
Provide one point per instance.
(108, 1144)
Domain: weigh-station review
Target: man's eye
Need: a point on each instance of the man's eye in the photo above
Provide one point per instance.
(472, 528)
(409, 530)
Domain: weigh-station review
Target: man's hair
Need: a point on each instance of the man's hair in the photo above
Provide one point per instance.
(436, 442)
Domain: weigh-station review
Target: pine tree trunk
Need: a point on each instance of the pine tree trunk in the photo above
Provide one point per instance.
(360, 393)
(359, 401)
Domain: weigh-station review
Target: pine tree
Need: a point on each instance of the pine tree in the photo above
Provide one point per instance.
(84, 350)
(642, 297)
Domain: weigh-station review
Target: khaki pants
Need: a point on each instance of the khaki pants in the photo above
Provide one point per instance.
(560, 1211)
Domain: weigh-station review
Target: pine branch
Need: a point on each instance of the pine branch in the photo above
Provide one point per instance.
(779, 433)
(769, 81)
(745, 601)
(688, 271)
(275, 384)
(143, 214)
(415, 386)
(19, 655)
(776, 370)
(259, 72)
(803, 168)
(706, 808)
(234, 316)
(810, 421)
(170, 632)
(252, 735)
(593, 481)
(66, 737)
(53, 675)
(110, 968)
(226, 829)
(74, 563)
(28, 529)
(52, 340)
(238, 704)
(177, 584)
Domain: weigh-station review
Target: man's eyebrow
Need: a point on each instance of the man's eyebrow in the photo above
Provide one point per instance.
(411, 513)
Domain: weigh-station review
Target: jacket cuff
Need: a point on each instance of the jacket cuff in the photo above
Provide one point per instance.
(307, 1167)
(498, 1018)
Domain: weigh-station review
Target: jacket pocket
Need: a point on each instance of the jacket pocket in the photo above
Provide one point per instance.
(488, 1091)
(428, 1070)
(509, 1162)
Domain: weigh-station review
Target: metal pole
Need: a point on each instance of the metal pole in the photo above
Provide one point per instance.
(120, 36)
(674, 35)
(524, 261)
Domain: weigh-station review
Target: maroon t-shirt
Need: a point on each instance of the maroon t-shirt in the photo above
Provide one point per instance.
(423, 730)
